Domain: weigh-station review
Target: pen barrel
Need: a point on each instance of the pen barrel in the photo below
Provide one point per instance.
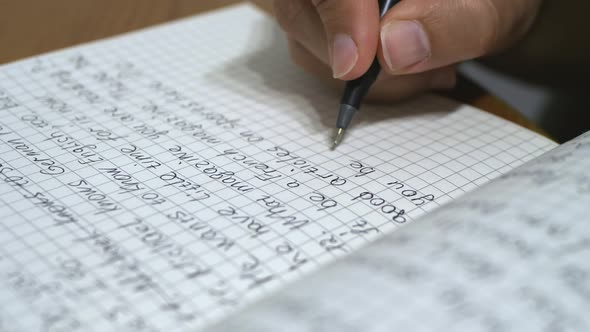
(385, 5)
(355, 90)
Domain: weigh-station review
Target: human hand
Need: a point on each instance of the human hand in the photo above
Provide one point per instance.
(417, 41)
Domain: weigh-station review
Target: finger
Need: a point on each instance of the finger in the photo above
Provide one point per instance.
(418, 35)
(302, 57)
(300, 20)
(387, 88)
(352, 33)
(394, 88)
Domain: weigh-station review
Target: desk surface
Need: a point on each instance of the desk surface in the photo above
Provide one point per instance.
(30, 27)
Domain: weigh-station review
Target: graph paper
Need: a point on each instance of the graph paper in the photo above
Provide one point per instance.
(511, 256)
(160, 180)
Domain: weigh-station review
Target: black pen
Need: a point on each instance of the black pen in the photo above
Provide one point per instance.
(355, 90)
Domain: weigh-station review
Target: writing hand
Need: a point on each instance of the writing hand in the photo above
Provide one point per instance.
(417, 42)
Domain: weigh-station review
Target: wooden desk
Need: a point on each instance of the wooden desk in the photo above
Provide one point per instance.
(30, 27)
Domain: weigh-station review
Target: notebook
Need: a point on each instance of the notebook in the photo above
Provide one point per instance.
(180, 178)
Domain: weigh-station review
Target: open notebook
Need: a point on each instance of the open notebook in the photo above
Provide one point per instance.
(165, 179)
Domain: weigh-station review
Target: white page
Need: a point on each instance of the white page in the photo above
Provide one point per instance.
(514, 255)
(159, 180)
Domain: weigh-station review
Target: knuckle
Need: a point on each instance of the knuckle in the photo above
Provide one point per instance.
(306, 61)
(287, 12)
(487, 12)
(297, 54)
(319, 3)
(330, 11)
(512, 19)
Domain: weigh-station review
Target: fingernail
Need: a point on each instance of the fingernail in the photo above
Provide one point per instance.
(344, 55)
(404, 43)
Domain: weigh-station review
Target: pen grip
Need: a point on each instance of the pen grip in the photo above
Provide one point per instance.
(355, 90)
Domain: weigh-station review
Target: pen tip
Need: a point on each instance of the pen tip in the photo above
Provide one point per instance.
(338, 138)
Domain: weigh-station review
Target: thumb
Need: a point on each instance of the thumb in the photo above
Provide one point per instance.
(419, 35)
(352, 32)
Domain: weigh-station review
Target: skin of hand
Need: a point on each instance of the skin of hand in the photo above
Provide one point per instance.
(417, 42)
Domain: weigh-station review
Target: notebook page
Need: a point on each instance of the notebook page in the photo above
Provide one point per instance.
(511, 256)
(158, 181)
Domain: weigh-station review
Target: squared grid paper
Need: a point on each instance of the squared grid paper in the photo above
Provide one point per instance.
(511, 256)
(99, 273)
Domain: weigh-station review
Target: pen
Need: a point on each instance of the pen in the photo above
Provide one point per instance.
(355, 90)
